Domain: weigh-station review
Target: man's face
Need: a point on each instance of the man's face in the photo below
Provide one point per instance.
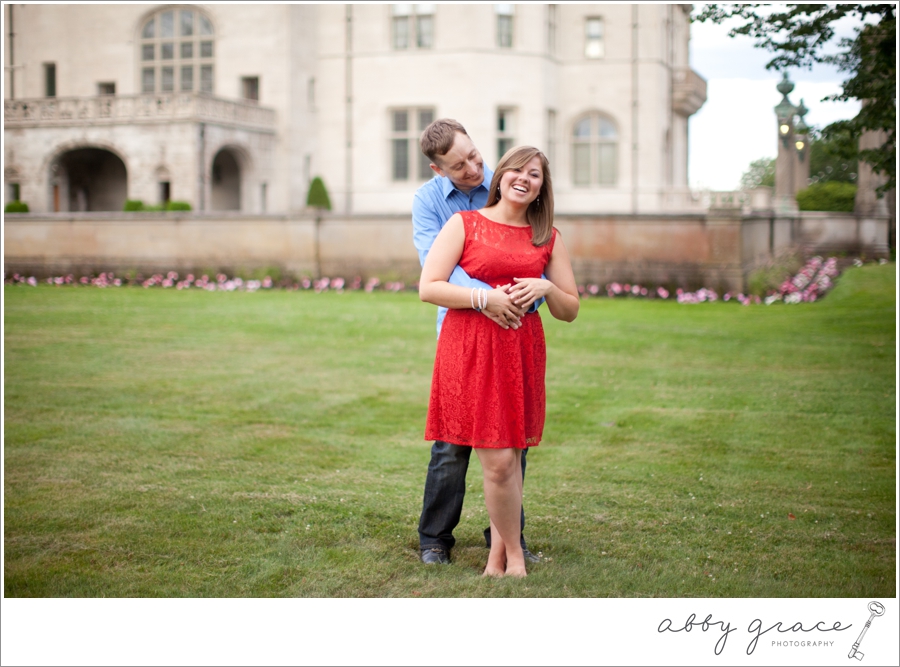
(462, 164)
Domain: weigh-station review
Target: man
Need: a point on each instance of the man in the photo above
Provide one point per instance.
(462, 186)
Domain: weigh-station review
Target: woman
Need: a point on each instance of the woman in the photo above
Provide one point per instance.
(487, 391)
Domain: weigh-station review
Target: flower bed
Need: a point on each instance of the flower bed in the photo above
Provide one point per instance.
(810, 284)
(218, 283)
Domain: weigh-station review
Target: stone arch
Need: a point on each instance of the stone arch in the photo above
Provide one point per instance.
(87, 177)
(228, 175)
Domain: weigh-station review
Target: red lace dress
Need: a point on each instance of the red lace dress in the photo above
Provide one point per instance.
(488, 384)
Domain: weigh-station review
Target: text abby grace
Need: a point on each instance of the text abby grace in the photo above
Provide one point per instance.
(755, 628)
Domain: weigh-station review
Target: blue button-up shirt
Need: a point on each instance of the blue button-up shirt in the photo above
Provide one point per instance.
(433, 205)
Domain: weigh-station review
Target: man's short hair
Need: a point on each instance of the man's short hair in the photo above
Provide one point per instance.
(437, 139)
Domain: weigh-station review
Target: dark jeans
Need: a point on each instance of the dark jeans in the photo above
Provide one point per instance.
(445, 488)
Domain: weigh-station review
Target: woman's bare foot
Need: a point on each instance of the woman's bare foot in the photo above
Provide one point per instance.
(496, 565)
(515, 565)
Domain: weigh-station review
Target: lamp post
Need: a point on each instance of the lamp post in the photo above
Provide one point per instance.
(785, 201)
(792, 163)
(802, 146)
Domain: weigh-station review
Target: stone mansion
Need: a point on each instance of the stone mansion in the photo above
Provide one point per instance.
(235, 107)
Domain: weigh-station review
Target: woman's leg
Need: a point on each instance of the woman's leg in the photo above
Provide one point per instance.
(503, 497)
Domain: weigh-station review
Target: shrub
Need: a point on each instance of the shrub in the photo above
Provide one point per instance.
(769, 277)
(16, 207)
(133, 205)
(178, 206)
(827, 196)
(318, 195)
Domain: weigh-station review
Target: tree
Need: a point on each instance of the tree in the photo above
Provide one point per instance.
(760, 173)
(798, 35)
(317, 197)
(831, 159)
(828, 161)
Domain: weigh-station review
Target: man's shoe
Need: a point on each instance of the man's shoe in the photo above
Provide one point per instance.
(530, 557)
(435, 556)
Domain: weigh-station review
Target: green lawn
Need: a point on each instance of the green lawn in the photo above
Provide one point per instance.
(186, 443)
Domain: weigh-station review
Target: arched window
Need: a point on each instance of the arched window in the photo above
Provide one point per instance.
(176, 52)
(595, 151)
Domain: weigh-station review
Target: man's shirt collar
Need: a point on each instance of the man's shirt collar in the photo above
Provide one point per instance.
(447, 185)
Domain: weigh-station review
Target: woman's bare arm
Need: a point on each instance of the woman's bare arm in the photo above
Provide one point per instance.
(559, 288)
(442, 259)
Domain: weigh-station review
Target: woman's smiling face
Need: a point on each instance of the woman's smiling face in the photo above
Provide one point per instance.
(522, 185)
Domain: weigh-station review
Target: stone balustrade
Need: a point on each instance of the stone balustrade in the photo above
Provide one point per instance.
(135, 109)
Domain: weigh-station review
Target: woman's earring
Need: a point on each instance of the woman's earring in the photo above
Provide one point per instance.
(537, 202)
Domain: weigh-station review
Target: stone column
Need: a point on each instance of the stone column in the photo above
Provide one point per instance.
(867, 201)
(785, 169)
(801, 150)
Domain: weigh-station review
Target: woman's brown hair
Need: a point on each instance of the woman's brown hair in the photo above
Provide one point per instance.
(540, 211)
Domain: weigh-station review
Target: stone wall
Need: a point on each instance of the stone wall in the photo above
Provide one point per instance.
(717, 250)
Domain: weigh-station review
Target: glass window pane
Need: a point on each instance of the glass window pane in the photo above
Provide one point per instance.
(424, 31)
(167, 51)
(607, 173)
(503, 145)
(424, 9)
(504, 31)
(401, 9)
(187, 50)
(607, 129)
(206, 79)
(167, 24)
(148, 80)
(583, 129)
(426, 116)
(593, 48)
(149, 31)
(187, 78)
(594, 28)
(504, 10)
(148, 51)
(401, 32)
(401, 159)
(206, 49)
(401, 121)
(187, 23)
(581, 164)
(205, 26)
(167, 80)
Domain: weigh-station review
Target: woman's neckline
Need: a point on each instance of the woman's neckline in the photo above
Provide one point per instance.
(504, 224)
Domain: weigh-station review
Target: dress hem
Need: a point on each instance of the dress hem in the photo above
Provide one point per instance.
(483, 445)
